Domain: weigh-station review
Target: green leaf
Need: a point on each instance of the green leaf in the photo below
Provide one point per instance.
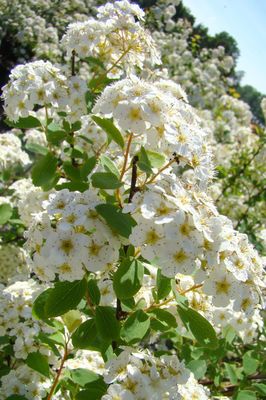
(99, 83)
(36, 148)
(135, 327)
(105, 180)
(72, 320)
(118, 221)
(143, 162)
(83, 376)
(109, 165)
(156, 160)
(38, 309)
(94, 391)
(24, 123)
(4, 340)
(229, 334)
(16, 397)
(67, 126)
(107, 325)
(231, 372)
(246, 395)
(260, 387)
(44, 172)
(71, 171)
(94, 292)
(55, 134)
(6, 212)
(73, 186)
(163, 285)
(198, 367)
(39, 363)
(63, 297)
(108, 126)
(45, 338)
(87, 337)
(162, 320)
(95, 61)
(57, 338)
(85, 139)
(128, 278)
(87, 167)
(250, 363)
(180, 299)
(200, 328)
(76, 126)
(128, 304)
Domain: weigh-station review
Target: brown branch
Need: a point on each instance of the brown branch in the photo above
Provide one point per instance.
(172, 160)
(73, 73)
(58, 373)
(133, 188)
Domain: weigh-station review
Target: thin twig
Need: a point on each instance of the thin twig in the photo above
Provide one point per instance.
(172, 160)
(73, 73)
(133, 188)
(58, 372)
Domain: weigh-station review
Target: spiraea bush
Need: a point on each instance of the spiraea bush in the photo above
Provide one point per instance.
(131, 284)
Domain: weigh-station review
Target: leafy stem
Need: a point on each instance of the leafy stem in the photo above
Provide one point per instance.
(64, 358)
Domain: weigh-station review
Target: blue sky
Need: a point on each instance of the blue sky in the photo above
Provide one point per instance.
(245, 20)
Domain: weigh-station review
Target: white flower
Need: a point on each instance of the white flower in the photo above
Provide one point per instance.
(222, 286)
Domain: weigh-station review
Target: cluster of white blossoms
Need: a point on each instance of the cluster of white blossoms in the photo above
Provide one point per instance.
(69, 238)
(159, 118)
(208, 78)
(35, 136)
(18, 325)
(11, 153)
(138, 375)
(41, 84)
(89, 359)
(38, 25)
(12, 261)
(90, 137)
(246, 325)
(16, 317)
(203, 75)
(232, 124)
(180, 231)
(116, 37)
(27, 198)
(24, 381)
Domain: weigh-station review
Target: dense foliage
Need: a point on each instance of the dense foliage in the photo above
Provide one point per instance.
(127, 152)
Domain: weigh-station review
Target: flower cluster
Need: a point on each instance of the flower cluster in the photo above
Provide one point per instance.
(18, 325)
(137, 375)
(41, 84)
(182, 232)
(116, 36)
(27, 198)
(246, 325)
(207, 75)
(159, 117)
(126, 218)
(11, 153)
(12, 261)
(69, 238)
(202, 75)
(38, 26)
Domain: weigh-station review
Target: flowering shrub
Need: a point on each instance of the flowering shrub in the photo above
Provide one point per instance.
(139, 287)
(208, 77)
